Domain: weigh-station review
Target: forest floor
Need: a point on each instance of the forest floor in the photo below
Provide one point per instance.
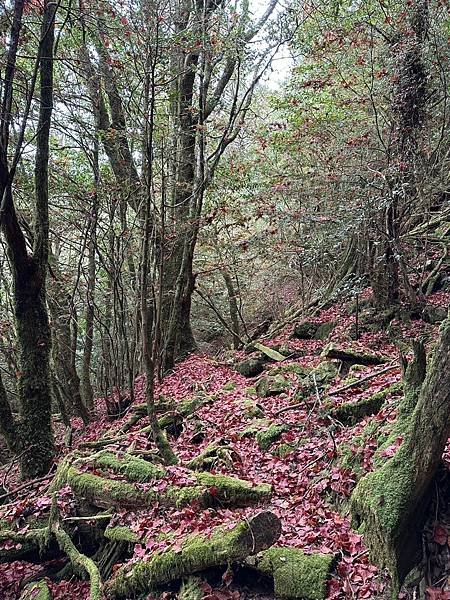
(312, 464)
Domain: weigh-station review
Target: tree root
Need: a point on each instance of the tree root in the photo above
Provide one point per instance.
(80, 562)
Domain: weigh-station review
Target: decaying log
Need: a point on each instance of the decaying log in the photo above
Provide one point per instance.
(246, 538)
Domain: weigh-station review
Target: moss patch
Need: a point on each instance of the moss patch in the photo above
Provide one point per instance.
(296, 575)
(266, 438)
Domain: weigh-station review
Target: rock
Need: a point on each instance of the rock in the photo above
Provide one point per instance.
(250, 367)
(270, 353)
(324, 331)
(272, 386)
(289, 368)
(323, 374)
(305, 330)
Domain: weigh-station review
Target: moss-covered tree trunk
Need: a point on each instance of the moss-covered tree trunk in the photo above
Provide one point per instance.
(390, 503)
(29, 270)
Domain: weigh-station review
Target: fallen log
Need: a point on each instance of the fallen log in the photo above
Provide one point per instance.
(352, 357)
(80, 562)
(296, 575)
(210, 491)
(197, 554)
(352, 412)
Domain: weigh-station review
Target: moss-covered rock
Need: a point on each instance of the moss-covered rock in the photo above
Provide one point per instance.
(305, 330)
(294, 368)
(229, 386)
(269, 436)
(322, 375)
(196, 554)
(296, 575)
(251, 367)
(272, 386)
(324, 331)
(252, 409)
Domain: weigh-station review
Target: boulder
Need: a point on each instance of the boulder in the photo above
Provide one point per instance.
(272, 386)
(250, 367)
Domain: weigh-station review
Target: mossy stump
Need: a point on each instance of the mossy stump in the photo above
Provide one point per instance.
(296, 575)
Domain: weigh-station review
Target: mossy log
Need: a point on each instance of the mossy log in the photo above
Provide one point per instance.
(210, 455)
(351, 413)
(196, 554)
(352, 357)
(121, 533)
(208, 490)
(390, 504)
(296, 575)
(31, 545)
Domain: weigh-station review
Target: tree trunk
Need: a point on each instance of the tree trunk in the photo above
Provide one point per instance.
(34, 340)
(404, 155)
(391, 502)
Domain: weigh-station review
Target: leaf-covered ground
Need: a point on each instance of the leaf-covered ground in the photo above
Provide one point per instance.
(312, 467)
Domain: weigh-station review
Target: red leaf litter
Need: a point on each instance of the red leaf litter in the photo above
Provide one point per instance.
(308, 483)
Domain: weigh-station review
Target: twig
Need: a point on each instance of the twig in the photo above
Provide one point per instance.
(25, 485)
(362, 380)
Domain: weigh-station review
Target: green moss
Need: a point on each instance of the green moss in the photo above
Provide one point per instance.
(131, 467)
(352, 412)
(266, 438)
(196, 554)
(322, 375)
(254, 428)
(284, 450)
(229, 386)
(272, 386)
(251, 409)
(210, 489)
(290, 368)
(37, 591)
(234, 491)
(250, 391)
(297, 575)
(121, 533)
(380, 505)
(191, 589)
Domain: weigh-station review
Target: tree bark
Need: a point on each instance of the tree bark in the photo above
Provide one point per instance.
(391, 502)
